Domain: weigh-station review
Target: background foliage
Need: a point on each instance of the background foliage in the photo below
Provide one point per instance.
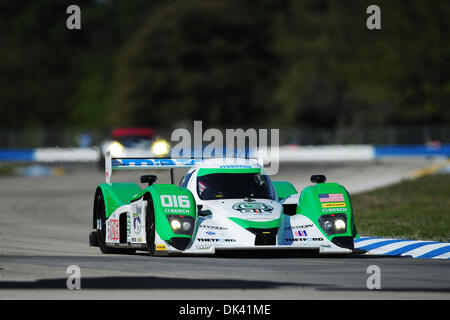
(266, 63)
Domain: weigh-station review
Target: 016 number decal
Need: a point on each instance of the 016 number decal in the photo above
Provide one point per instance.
(175, 201)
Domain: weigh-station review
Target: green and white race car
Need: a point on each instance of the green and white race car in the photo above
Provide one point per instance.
(219, 205)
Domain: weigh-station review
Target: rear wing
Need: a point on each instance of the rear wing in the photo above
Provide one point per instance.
(112, 164)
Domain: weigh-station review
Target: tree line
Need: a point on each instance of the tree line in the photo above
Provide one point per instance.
(234, 63)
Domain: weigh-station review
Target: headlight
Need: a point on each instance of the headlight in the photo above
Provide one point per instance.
(181, 224)
(333, 223)
(175, 224)
(339, 224)
(160, 148)
(327, 225)
(187, 226)
(115, 148)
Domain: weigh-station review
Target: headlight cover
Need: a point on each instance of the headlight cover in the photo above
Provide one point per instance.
(115, 148)
(181, 224)
(333, 223)
(160, 148)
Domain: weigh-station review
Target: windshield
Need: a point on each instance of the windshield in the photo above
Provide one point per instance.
(234, 186)
(135, 141)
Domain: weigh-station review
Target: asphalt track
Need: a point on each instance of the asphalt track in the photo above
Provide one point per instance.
(45, 224)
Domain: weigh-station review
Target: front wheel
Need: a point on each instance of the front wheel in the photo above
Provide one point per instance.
(150, 226)
(100, 215)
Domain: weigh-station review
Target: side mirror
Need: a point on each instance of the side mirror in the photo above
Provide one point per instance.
(149, 178)
(318, 178)
(203, 213)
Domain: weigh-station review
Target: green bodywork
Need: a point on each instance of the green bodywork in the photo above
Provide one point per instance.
(310, 206)
(162, 223)
(284, 189)
(119, 194)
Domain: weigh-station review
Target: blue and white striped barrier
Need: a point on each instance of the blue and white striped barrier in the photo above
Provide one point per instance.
(286, 153)
(50, 155)
(415, 150)
(296, 153)
(17, 155)
(404, 247)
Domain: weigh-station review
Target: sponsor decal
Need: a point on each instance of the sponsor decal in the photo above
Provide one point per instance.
(258, 217)
(306, 226)
(175, 201)
(202, 247)
(99, 224)
(303, 239)
(215, 240)
(128, 227)
(252, 207)
(334, 210)
(333, 204)
(238, 166)
(181, 211)
(161, 247)
(213, 227)
(301, 233)
(175, 204)
(137, 225)
(331, 197)
(113, 233)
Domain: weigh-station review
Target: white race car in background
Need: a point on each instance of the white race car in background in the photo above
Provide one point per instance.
(133, 142)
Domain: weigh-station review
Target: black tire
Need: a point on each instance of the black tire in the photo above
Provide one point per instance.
(100, 213)
(150, 226)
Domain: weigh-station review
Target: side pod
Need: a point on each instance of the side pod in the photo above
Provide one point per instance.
(329, 206)
(175, 213)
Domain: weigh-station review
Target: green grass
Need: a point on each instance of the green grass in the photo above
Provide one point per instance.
(415, 209)
(7, 169)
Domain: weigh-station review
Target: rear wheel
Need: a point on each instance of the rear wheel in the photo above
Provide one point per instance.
(100, 215)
